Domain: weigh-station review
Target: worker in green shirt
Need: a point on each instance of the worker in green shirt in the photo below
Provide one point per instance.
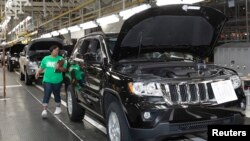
(52, 79)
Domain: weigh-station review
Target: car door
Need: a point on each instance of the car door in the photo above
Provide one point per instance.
(77, 67)
(93, 73)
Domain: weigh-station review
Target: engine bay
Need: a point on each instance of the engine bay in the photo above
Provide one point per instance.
(171, 69)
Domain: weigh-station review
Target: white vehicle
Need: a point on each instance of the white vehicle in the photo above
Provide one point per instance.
(32, 55)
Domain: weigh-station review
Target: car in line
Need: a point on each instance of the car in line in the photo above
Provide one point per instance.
(13, 56)
(32, 55)
(150, 81)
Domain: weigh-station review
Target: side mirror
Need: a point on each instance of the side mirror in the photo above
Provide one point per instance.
(22, 54)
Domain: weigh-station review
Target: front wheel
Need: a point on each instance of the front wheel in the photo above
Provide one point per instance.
(22, 76)
(28, 80)
(10, 68)
(75, 112)
(117, 127)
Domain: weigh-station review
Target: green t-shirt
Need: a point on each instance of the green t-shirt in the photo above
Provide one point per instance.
(49, 65)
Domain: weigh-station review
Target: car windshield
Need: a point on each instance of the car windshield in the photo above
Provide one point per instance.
(111, 41)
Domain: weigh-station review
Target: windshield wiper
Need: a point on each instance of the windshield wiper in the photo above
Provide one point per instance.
(143, 60)
(178, 59)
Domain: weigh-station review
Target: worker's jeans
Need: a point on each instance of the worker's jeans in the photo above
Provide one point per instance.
(48, 89)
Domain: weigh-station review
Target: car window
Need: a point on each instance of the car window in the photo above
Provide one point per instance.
(76, 53)
(84, 46)
(94, 48)
(111, 41)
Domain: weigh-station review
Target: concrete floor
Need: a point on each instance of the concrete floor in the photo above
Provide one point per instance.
(20, 117)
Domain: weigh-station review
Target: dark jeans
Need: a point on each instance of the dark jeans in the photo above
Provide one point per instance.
(48, 89)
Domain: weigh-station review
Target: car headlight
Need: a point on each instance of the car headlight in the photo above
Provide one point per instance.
(145, 89)
(235, 81)
(32, 63)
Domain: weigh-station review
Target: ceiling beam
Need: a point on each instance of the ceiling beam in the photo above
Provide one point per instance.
(41, 9)
(49, 4)
(58, 5)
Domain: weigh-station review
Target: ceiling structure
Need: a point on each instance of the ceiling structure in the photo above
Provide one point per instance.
(50, 15)
(54, 14)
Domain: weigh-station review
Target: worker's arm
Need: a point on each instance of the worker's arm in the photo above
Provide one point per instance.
(40, 70)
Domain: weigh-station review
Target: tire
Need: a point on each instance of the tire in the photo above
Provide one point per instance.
(75, 112)
(10, 68)
(28, 81)
(22, 77)
(114, 110)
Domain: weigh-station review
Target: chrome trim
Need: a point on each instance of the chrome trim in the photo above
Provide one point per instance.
(197, 93)
(179, 93)
(188, 100)
(167, 97)
(207, 98)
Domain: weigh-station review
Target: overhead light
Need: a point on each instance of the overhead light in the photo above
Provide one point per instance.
(125, 14)
(108, 20)
(28, 18)
(4, 43)
(169, 2)
(88, 25)
(48, 35)
(74, 28)
(55, 33)
(63, 31)
(21, 23)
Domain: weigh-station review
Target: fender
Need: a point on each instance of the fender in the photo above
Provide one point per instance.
(116, 94)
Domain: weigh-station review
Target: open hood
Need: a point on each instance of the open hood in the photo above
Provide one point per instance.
(44, 43)
(184, 28)
(17, 48)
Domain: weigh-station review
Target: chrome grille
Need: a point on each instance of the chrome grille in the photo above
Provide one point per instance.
(189, 93)
(183, 93)
(193, 92)
(173, 93)
(202, 91)
(210, 91)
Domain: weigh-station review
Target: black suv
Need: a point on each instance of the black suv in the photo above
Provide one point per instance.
(150, 80)
(13, 56)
